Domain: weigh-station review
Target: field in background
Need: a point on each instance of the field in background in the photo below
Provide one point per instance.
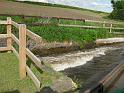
(18, 8)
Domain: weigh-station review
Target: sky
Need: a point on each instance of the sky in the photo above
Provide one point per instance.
(99, 5)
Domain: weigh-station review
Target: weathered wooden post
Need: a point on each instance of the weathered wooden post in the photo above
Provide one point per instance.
(59, 21)
(110, 27)
(104, 24)
(9, 28)
(75, 21)
(22, 51)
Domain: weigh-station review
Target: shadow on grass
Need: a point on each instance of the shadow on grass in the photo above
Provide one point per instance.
(14, 91)
(47, 90)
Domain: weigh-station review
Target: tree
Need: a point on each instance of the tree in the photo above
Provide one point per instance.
(118, 9)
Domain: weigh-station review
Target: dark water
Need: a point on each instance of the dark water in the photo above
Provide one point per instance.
(89, 74)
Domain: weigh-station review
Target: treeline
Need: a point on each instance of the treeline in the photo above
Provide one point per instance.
(118, 9)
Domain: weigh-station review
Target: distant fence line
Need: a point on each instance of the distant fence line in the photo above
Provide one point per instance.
(66, 18)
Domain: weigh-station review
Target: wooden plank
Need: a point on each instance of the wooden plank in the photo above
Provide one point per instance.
(15, 24)
(33, 36)
(4, 49)
(33, 77)
(111, 28)
(36, 60)
(15, 39)
(3, 22)
(103, 22)
(22, 51)
(15, 52)
(118, 28)
(69, 18)
(9, 28)
(119, 33)
(5, 36)
(89, 27)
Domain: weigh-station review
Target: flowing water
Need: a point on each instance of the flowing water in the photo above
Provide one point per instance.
(87, 67)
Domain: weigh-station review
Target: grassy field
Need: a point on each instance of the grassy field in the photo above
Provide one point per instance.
(9, 76)
(9, 7)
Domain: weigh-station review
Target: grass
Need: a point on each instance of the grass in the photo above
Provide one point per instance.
(55, 33)
(39, 9)
(9, 76)
(56, 5)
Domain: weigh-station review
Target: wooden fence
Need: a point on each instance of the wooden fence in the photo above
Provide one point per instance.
(24, 52)
(92, 27)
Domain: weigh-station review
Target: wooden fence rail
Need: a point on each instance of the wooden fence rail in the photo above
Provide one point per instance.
(90, 27)
(23, 51)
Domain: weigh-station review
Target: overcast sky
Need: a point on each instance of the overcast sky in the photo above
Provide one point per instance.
(100, 5)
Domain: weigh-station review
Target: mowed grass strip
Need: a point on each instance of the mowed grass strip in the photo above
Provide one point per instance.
(9, 76)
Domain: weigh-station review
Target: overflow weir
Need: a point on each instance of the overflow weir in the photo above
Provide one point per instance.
(94, 70)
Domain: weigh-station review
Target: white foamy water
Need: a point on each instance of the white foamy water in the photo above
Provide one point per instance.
(79, 58)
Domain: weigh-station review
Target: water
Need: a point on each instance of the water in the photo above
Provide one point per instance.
(86, 68)
(70, 60)
(89, 74)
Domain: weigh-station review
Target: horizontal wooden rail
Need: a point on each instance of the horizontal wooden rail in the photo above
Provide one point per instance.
(36, 60)
(15, 39)
(15, 52)
(33, 35)
(66, 18)
(118, 33)
(103, 22)
(4, 49)
(89, 27)
(3, 22)
(4, 36)
(33, 77)
(15, 24)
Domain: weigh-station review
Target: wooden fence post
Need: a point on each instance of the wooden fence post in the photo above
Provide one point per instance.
(75, 21)
(59, 21)
(104, 24)
(110, 27)
(9, 28)
(22, 51)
